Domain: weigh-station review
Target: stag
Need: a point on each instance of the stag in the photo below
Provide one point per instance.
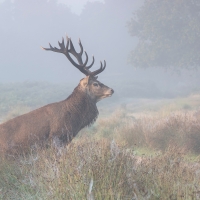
(60, 121)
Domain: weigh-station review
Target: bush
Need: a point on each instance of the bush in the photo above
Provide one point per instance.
(181, 129)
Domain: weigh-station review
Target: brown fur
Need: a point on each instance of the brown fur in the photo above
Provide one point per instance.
(61, 120)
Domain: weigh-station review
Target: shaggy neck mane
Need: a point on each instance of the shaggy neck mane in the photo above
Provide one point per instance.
(82, 109)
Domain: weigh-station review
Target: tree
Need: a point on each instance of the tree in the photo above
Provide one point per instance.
(168, 34)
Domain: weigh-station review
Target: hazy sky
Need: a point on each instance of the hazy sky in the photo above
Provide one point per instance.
(102, 28)
(76, 6)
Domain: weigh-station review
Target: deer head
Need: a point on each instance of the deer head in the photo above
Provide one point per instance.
(94, 88)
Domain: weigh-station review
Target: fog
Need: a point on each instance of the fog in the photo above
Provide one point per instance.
(25, 26)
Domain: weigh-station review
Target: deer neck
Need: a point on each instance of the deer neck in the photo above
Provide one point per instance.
(82, 108)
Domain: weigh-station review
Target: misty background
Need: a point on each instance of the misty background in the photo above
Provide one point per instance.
(102, 26)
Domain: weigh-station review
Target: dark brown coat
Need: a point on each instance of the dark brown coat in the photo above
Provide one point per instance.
(62, 120)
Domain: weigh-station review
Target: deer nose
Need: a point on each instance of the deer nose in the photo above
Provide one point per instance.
(112, 91)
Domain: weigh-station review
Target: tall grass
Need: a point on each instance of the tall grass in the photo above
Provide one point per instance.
(153, 131)
(141, 151)
(99, 169)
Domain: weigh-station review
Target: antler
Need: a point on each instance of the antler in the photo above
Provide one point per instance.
(81, 66)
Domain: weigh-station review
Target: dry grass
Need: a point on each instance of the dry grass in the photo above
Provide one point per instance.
(156, 131)
(127, 155)
(99, 169)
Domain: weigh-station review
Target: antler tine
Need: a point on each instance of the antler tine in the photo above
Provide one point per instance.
(72, 49)
(86, 60)
(77, 55)
(100, 69)
(80, 54)
(52, 49)
(80, 67)
(62, 44)
(81, 46)
(88, 67)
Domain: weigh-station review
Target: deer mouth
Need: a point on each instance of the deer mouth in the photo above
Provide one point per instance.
(110, 93)
(107, 95)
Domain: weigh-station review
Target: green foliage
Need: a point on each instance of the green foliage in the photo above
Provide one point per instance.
(168, 32)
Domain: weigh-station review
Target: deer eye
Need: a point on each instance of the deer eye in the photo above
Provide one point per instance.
(96, 84)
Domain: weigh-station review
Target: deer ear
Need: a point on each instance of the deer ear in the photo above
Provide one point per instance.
(85, 81)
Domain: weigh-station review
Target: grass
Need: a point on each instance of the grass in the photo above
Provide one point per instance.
(152, 131)
(146, 149)
(99, 169)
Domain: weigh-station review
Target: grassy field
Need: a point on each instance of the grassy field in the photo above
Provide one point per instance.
(100, 169)
(140, 149)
